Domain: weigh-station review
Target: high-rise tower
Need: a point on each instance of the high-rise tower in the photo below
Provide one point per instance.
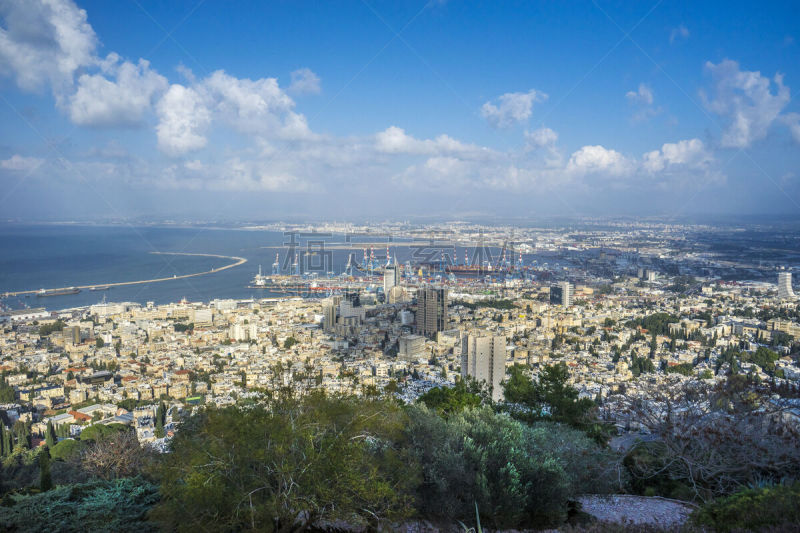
(785, 291)
(391, 278)
(431, 311)
(483, 357)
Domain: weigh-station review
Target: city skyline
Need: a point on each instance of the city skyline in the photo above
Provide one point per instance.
(411, 109)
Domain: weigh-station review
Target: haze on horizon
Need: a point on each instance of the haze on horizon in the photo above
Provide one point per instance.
(372, 108)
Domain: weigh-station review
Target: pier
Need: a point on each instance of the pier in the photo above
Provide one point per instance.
(236, 262)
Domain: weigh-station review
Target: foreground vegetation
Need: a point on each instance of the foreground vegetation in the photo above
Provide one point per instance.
(291, 463)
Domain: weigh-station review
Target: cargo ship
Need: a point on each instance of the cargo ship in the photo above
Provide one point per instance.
(57, 292)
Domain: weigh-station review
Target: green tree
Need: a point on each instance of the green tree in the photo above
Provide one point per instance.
(289, 342)
(47, 329)
(50, 435)
(22, 432)
(99, 342)
(8, 443)
(119, 506)
(98, 432)
(161, 416)
(45, 478)
(770, 508)
(447, 400)
(287, 466)
(551, 397)
(67, 449)
(480, 458)
(4, 448)
(7, 393)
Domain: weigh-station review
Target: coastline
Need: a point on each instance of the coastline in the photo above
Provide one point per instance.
(237, 261)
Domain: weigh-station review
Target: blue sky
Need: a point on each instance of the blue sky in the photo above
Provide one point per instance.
(216, 109)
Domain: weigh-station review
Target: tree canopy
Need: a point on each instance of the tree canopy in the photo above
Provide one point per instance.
(298, 462)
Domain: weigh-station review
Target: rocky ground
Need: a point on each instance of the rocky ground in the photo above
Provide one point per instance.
(636, 509)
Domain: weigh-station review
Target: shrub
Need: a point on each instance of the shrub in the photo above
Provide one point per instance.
(753, 509)
(67, 449)
(480, 457)
(97, 432)
(590, 468)
(113, 506)
(116, 456)
(647, 464)
(298, 462)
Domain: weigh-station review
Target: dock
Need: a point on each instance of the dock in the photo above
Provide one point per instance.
(237, 261)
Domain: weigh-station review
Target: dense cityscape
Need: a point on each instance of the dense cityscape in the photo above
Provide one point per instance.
(627, 310)
(419, 266)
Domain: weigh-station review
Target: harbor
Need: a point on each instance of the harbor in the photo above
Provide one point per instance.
(237, 261)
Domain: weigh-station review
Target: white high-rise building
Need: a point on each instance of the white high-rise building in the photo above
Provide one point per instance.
(483, 357)
(785, 291)
(391, 278)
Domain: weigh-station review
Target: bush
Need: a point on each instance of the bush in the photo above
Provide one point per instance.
(647, 464)
(67, 449)
(297, 462)
(114, 506)
(590, 468)
(98, 432)
(117, 456)
(478, 457)
(446, 400)
(753, 509)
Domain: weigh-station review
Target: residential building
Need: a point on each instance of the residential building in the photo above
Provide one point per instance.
(483, 357)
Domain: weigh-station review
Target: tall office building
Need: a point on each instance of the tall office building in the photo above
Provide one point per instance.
(483, 357)
(330, 309)
(561, 294)
(431, 311)
(785, 291)
(391, 278)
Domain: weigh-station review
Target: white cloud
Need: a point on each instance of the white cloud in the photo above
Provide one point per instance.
(793, 121)
(541, 138)
(20, 163)
(305, 81)
(44, 41)
(690, 153)
(233, 174)
(102, 102)
(598, 159)
(248, 105)
(183, 120)
(511, 108)
(544, 140)
(685, 164)
(295, 128)
(643, 95)
(394, 140)
(746, 99)
(49, 42)
(111, 150)
(679, 33)
(257, 107)
(643, 99)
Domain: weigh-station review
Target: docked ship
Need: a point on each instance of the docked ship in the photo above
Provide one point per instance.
(260, 281)
(57, 292)
(99, 288)
(472, 270)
